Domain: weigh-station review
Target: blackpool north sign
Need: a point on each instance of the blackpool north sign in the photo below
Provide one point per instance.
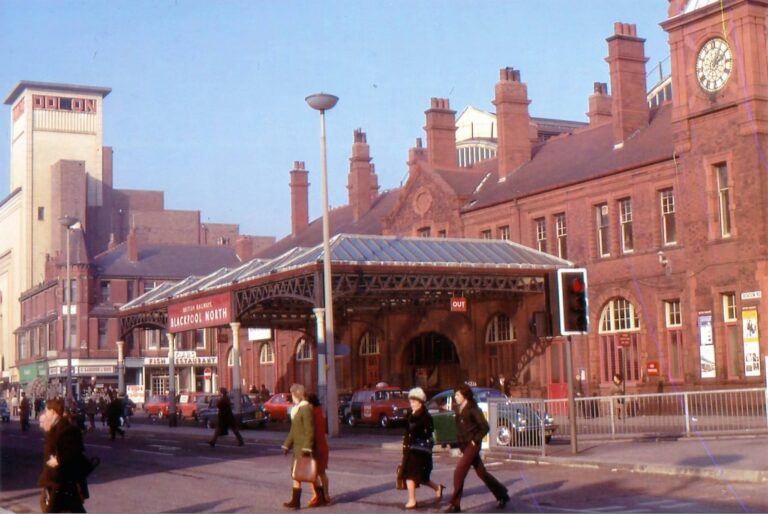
(211, 311)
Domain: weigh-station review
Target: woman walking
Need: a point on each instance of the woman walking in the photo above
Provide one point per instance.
(471, 428)
(225, 420)
(320, 494)
(301, 438)
(417, 448)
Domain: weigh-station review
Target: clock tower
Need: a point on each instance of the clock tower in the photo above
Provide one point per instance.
(719, 57)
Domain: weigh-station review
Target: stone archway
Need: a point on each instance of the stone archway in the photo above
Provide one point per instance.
(430, 361)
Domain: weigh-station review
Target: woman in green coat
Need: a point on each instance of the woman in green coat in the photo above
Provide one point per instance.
(301, 437)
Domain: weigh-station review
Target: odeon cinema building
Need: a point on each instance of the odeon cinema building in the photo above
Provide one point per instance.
(662, 196)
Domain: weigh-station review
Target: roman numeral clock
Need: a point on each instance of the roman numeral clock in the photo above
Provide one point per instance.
(714, 65)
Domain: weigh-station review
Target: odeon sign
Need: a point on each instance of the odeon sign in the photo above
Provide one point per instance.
(211, 311)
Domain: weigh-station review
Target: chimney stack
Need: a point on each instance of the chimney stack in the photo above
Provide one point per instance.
(626, 61)
(513, 120)
(359, 180)
(133, 247)
(299, 200)
(374, 183)
(599, 105)
(441, 134)
(244, 248)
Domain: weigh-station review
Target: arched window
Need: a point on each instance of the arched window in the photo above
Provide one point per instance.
(303, 365)
(369, 344)
(267, 366)
(303, 351)
(369, 363)
(499, 336)
(266, 354)
(500, 330)
(619, 341)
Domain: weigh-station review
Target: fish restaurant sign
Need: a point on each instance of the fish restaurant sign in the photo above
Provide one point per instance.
(211, 311)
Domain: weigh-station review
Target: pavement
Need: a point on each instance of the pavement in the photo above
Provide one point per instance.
(729, 457)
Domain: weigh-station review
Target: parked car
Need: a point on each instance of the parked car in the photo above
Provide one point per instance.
(157, 406)
(382, 405)
(344, 406)
(518, 424)
(279, 406)
(190, 403)
(251, 414)
(5, 412)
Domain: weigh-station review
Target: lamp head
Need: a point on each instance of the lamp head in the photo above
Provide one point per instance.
(69, 221)
(321, 101)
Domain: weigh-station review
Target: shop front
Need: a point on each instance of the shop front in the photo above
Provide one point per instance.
(87, 375)
(190, 370)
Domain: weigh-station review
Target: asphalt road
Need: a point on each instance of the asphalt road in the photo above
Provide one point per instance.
(148, 472)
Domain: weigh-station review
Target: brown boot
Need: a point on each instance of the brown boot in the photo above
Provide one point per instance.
(295, 502)
(319, 498)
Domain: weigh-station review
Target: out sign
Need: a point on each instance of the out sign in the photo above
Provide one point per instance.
(458, 304)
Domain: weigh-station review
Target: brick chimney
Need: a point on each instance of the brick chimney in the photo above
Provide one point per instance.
(374, 183)
(599, 105)
(441, 134)
(626, 61)
(133, 247)
(513, 120)
(299, 201)
(244, 248)
(416, 156)
(359, 181)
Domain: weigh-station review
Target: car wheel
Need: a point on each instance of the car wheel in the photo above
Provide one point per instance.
(503, 436)
(160, 414)
(384, 421)
(351, 420)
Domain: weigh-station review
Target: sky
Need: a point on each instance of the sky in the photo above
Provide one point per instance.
(207, 100)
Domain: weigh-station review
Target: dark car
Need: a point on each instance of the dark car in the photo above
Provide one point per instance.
(518, 424)
(382, 405)
(5, 412)
(251, 414)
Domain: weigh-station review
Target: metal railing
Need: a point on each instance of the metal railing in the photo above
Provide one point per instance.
(517, 425)
(685, 413)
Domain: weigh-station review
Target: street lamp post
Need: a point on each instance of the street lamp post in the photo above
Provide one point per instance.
(69, 223)
(323, 102)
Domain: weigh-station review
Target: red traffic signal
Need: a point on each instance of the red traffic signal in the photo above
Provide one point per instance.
(572, 301)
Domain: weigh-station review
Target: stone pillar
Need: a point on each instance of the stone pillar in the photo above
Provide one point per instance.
(120, 368)
(172, 421)
(236, 366)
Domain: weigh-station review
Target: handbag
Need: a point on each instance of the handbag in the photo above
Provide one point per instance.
(422, 444)
(304, 469)
(399, 480)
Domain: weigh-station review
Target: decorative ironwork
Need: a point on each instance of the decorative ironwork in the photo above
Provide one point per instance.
(300, 288)
(535, 349)
(157, 318)
(348, 284)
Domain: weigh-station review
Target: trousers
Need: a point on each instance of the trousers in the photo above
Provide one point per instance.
(470, 458)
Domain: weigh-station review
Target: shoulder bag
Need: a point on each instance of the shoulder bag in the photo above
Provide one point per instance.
(304, 469)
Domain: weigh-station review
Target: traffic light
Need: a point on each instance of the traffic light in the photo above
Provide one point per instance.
(572, 300)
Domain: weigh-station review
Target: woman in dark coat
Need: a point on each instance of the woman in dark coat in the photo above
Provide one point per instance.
(417, 448)
(63, 475)
(225, 420)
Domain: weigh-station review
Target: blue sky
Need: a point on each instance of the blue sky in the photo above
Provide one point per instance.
(207, 99)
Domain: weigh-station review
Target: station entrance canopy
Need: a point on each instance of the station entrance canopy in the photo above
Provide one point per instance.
(368, 273)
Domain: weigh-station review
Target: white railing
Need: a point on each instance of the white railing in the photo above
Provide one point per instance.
(683, 414)
(686, 414)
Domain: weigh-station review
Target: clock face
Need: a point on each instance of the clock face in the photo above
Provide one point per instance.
(714, 65)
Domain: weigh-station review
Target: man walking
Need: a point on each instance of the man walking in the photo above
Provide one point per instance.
(24, 412)
(114, 413)
(225, 420)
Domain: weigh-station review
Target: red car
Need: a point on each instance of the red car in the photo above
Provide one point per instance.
(157, 406)
(279, 406)
(190, 403)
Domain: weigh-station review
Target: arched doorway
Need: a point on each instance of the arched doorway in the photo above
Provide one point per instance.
(431, 362)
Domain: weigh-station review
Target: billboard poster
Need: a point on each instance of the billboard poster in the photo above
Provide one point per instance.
(706, 346)
(751, 343)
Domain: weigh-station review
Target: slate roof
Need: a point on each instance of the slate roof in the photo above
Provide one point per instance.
(578, 157)
(371, 250)
(165, 261)
(340, 221)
